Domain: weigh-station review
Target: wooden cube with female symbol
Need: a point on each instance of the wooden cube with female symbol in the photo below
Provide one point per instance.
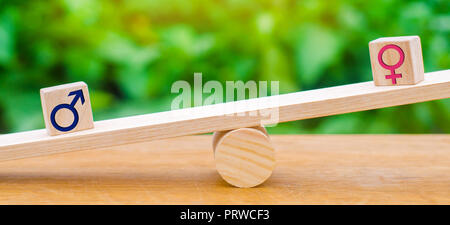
(66, 108)
(396, 60)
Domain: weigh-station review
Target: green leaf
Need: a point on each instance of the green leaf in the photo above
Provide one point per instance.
(7, 38)
(315, 50)
(275, 67)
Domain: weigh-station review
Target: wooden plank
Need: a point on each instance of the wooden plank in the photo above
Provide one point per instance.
(294, 106)
(311, 169)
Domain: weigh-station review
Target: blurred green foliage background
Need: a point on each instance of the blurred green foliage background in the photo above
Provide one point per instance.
(131, 51)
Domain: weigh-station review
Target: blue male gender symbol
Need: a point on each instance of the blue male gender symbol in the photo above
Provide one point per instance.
(78, 95)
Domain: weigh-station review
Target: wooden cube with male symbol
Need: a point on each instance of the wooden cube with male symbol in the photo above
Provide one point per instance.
(66, 108)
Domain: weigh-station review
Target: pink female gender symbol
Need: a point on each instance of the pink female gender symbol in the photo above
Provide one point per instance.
(392, 68)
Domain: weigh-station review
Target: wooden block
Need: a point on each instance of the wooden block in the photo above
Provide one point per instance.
(244, 157)
(396, 60)
(66, 108)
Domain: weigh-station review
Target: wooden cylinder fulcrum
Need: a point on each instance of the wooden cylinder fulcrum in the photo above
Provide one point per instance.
(244, 157)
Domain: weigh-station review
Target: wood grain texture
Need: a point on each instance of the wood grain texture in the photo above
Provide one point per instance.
(244, 157)
(294, 106)
(311, 169)
(51, 97)
(411, 70)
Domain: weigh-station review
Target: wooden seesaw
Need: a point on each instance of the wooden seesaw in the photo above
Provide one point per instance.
(243, 152)
(232, 140)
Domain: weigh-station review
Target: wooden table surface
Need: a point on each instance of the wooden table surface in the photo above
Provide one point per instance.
(311, 169)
